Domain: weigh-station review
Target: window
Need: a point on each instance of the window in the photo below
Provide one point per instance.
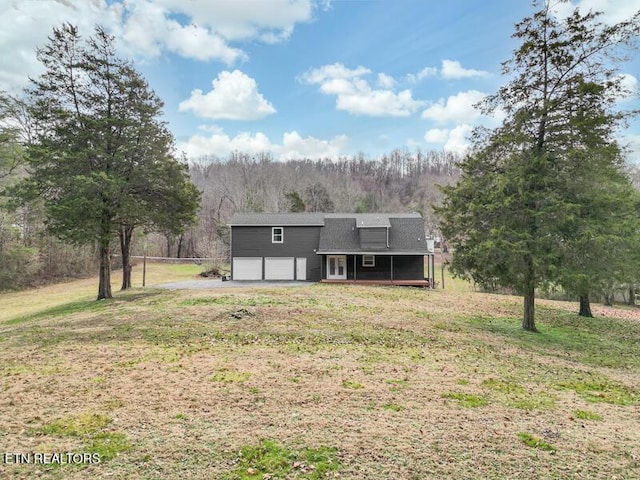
(277, 235)
(368, 261)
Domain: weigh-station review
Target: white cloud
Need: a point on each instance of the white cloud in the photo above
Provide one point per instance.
(271, 21)
(355, 95)
(332, 72)
(234, 96)
(24, 26)
(454, 140)
(293, 145)
(457, 108)
(197, 29)
(422, 74)
(437, 135)
(452, 69)
(385, 81)
(458, 140)
(148, 30)
(614, 11)
(629, 85)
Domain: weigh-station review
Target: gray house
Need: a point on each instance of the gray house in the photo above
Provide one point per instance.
(329, 247)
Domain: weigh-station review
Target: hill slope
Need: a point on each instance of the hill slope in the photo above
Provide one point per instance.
(321, 381)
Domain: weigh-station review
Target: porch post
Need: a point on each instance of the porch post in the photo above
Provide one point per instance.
(392, 268)
(429, 270)
(433, 269)
(355, 266)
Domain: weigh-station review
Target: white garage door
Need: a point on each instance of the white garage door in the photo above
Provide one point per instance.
(247, 268)
(278, 268)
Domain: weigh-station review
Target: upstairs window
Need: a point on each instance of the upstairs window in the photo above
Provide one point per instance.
(277, 235)
(368, 261)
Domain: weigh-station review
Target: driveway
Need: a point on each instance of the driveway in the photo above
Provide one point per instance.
(217, 283)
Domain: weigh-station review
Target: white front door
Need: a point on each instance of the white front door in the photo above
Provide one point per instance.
(301, 268)
(336, 267)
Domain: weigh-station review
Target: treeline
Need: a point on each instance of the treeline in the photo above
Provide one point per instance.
(396, 182)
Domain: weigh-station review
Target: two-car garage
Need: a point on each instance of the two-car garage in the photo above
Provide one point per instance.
(269, 268)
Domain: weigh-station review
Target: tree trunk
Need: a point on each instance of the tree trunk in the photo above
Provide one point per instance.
(632, 296)
(180, 243)
(608, 299)
(104, 286)
(168, 237)
(529, 317)
(585, 306)
(528, 321)
(125, 234)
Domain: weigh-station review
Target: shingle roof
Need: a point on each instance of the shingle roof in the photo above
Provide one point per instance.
(365, 220)
(276, 219)
(406, 234)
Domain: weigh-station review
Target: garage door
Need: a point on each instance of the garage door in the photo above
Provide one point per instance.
(278, 268)
(247, 268)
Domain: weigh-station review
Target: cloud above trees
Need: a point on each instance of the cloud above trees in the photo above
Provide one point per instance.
(234, 96)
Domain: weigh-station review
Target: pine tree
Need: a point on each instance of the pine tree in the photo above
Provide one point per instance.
(507, 218)
(99, 150)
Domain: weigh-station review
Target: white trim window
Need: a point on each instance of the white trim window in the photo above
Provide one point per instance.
(277, 234)
(368, 260)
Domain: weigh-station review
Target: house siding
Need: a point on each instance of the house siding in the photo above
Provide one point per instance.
(299, 241)
(373, 238)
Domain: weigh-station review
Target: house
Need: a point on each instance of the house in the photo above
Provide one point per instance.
(376, 247)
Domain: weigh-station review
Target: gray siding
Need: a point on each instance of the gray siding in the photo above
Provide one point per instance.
(299, 241)
(373, 238)
(408, 267)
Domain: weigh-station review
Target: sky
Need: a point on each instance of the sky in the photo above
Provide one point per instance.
(305, 78)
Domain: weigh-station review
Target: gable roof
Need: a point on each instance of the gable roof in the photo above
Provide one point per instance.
(406, 235)
(277, 219)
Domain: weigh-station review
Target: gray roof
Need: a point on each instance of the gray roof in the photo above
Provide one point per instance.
(406, 234)
(276, 219)
(365, 220)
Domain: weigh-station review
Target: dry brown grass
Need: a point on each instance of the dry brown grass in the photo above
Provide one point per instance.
(371, 371)
(26, 302)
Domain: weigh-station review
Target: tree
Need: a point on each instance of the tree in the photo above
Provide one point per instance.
(601, 239)
(162, 199)
(318, 199)
(96, 135)
(296, 204)
(507, 216)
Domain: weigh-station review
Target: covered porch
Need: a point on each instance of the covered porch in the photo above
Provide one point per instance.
(378, 269)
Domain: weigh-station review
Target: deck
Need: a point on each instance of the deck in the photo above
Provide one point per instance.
(402, 283)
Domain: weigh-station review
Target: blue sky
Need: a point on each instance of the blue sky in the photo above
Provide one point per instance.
(302, 77)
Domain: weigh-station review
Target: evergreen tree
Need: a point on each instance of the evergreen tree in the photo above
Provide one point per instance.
(99, 149)
(507, 218)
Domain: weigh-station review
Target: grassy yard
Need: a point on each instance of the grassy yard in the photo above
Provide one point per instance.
(320, 381)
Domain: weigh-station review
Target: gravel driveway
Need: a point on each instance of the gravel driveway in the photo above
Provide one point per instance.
(217, 283)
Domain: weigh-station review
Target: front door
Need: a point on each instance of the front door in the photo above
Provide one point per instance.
(301, 268)
(336, 267)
